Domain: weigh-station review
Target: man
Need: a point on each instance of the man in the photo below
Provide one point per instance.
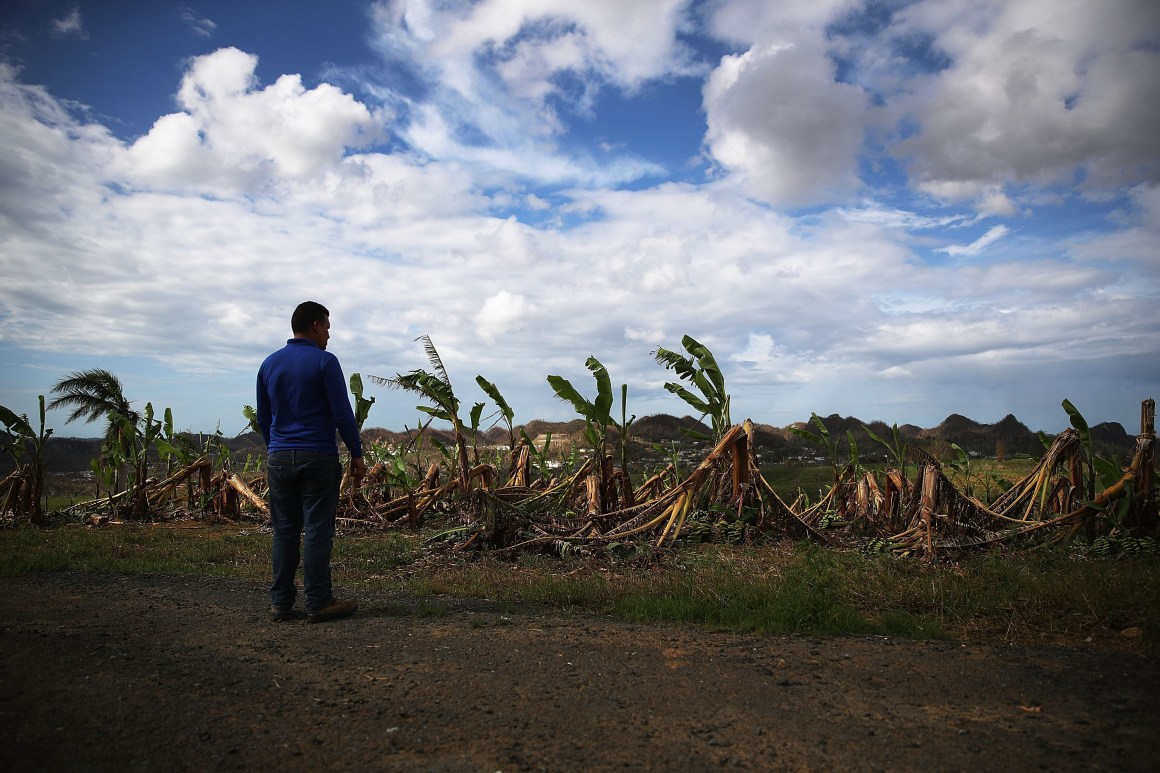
(302, 402)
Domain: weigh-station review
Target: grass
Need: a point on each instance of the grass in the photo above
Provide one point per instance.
(135, 549)
(786, 480)
(1028, 597)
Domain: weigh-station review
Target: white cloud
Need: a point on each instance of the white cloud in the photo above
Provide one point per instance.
(199, 24)
(751, 22)
(1009, 95)
(71, 25)
(233, 136)
(758, 349)
(993, 234)
(494, 70)
(620, 43)
(190, 246)
(644, 336)
(1134, 243)
(1036, 92)
(777, 118)
(873, 212)
(995, 202)
(501, 313)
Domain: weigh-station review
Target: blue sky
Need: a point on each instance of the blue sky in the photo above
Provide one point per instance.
(892, 210)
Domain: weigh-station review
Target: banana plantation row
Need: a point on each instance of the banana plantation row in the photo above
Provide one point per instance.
(533, 496)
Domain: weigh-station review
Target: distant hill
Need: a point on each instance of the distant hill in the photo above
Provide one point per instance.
(1009, 436)
(70, 454)
(662, 427)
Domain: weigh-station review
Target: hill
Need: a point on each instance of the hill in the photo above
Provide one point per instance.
(656, 436)
(1008, 436)
(72, 455)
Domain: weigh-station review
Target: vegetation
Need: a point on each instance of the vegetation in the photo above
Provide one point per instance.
(713, 538)
(799, 588)
(607, 489)
(700, 369)
(21, 492)
(435, 386)
(823, 439)
(97, 394)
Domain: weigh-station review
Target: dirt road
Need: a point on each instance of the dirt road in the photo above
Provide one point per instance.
(114, 673)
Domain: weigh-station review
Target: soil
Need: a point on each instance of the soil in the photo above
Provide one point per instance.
(104, 672)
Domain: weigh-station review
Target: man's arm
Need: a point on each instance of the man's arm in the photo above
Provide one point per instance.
(342, 412)
(263, 410)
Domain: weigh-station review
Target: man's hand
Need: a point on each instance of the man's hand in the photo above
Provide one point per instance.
(358, 467)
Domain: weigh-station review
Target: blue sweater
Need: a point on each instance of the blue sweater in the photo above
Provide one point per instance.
(302, 401)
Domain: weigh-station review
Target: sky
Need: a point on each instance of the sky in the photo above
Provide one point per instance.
(891, 210)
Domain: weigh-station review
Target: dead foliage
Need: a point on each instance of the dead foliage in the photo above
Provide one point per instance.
(725, 498)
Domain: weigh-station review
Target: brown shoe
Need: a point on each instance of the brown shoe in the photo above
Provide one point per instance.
(278, 614)
(332, 611)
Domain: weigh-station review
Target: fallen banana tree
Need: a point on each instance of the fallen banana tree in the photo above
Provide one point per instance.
(724, 495)
(205, 491)
(725, 498)
(19, 495)
(1055, 501)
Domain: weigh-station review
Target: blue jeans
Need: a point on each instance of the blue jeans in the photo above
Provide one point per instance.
(303, 500)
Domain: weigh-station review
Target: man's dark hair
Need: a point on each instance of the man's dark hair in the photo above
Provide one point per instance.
(307, 313)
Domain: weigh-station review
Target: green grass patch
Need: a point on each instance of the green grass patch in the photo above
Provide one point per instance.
(1018, 597)
(808, 590)
(135, 549)
(372, 556)
(56, 502)
(788, 479)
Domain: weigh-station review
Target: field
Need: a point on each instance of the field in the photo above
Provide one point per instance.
(1003, 597)
(537, 612)
(146, 646)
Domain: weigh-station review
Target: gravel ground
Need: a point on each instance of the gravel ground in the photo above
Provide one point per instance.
(104, 672)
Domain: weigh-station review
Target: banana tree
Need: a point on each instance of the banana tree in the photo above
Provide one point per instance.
(174, 448)
(251, 416)
(362, 405)
(700, 369)
(823, 439)
(475, 416)
(622, 428)
(962, 465)
(144, 434)
(1104, 473)
(597, 415)
(29, 500)
(436, 387)
(896, 445)
(505, 411)
(540, 455)
(518, 461)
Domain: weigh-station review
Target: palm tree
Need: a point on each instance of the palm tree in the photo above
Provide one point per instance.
(97, 394)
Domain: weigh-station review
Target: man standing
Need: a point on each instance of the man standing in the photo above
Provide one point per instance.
(302, 402)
